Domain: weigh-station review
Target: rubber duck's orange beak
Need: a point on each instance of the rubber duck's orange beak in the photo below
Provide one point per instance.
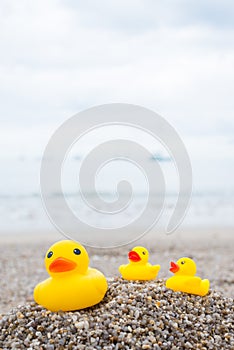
(174, 267)
(62, 265)
(133, 256)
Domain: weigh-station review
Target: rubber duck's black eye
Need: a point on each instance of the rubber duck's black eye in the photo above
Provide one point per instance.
(49, 255)
(143, 253)
(77, 251)
(182, 262)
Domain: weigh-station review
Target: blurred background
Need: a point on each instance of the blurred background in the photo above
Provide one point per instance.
(60, 57)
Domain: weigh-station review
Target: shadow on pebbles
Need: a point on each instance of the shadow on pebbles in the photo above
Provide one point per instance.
(133, 315)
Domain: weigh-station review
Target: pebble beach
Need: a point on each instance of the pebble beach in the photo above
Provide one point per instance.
(133, 315)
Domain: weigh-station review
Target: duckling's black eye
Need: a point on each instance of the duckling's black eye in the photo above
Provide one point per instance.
(182, 262)
(77, 251)
(49, 255)
(143, 253)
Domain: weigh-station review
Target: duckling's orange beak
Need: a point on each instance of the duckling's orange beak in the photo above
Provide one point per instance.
(62, 265)
(174, 267)
(133, 256)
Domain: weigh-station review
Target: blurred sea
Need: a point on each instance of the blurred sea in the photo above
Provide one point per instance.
(21, 207)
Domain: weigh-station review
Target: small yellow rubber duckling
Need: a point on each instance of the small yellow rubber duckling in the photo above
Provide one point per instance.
(138, 267)
(73, 285)
(185, 280)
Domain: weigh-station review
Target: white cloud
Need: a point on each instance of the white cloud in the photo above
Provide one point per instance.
(175, 57)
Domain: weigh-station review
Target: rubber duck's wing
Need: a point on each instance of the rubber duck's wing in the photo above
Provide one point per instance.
(193, 281)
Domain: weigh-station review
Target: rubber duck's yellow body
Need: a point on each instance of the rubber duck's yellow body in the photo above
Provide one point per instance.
(185, 280)
(73, 285)
(138, 267)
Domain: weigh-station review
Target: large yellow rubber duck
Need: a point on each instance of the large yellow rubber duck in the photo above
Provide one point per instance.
(73, 285)
(185, 280)
(138, 267)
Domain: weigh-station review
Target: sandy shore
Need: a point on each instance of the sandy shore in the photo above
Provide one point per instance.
(21, 259)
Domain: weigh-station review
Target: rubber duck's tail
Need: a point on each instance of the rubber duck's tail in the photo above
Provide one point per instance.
(205, 286)
(155, 268)
(121, 267)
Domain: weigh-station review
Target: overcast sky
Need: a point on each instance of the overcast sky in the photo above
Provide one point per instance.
(175, 57)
